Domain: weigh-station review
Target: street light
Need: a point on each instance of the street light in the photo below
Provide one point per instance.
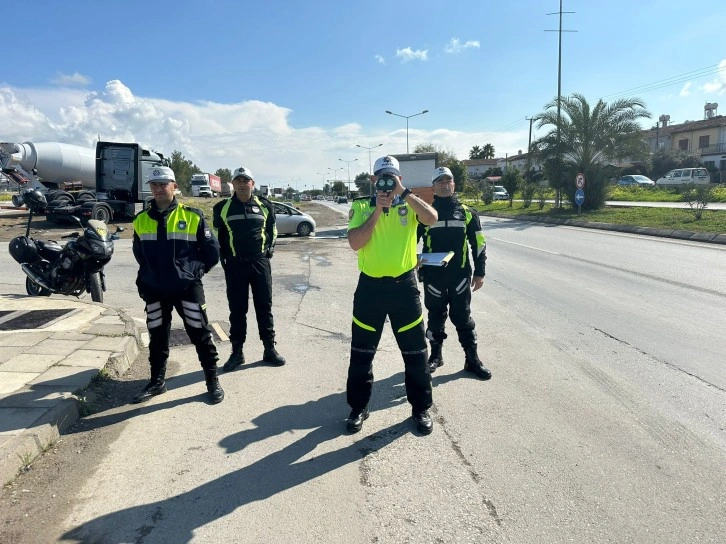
(348, 163)
(407, 117)
(323, 185)
(369, 154)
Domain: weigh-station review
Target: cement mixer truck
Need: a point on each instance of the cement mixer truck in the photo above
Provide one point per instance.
(101, 184)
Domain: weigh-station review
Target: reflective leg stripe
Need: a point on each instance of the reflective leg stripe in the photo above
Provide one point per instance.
(414, 352)
(359, 350)
(431, 289)
(462, 286)
(153, 315)
(363, 325)
(411, 325)
(192, 314)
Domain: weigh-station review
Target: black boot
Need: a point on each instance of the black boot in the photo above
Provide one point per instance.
(156, 386)
(236, 359)
(436, 359)
(473, 363)
(270, 354)
(216, 393)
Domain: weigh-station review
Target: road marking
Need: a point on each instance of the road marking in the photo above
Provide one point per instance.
(522, 245)
(222, 336)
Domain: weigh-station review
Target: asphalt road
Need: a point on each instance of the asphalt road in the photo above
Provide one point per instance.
(604, 421)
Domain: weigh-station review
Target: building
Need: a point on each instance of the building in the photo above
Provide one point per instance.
(476, 168)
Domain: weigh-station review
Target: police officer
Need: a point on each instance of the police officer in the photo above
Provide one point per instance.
(447, 290)
(174, 248)
(382, 230)
(247, 232)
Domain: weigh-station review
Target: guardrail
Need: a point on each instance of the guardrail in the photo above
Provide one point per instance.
(715, 148)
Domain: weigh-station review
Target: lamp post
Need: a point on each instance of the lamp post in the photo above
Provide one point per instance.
(335, 174)
(407, 117)
(369, 154)
(348, 163)
(323, 185)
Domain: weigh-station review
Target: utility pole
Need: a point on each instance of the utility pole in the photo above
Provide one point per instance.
(558, 198)
(529, 147)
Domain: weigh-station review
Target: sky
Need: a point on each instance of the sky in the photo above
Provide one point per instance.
(290, 89)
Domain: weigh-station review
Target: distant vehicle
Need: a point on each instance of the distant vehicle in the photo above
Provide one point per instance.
(320, 197)
(685, 175)
(500, 193)
(290, 220)
(342, 200)
(201, 185)
(636, 180)
(305, 198)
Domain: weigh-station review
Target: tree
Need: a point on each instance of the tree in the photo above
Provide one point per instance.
(447, 158)
(225, 174)
(362, 183)
(496, 171)
(486, 152)
(511, 181)
(183, 171)
(590, 137)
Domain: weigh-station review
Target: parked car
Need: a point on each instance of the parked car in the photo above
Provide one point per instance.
(500, 193)
(636, 180)
(342, 200)
(685, 175)
(290, 220)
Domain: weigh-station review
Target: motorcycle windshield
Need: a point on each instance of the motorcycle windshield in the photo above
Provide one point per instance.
(97, 230)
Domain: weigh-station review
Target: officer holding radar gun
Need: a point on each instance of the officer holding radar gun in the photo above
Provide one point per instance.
(382, 229)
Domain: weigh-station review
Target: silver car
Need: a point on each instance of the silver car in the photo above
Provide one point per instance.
(292, 221)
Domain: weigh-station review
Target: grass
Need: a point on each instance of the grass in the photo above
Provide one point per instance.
(660, 218)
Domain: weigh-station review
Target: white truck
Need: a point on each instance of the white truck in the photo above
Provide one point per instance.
(416, 169)
(91, 184)
(201, 186)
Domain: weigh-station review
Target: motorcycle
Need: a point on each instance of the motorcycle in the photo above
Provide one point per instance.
(72, 269)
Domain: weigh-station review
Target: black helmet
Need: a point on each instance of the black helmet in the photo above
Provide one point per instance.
(34, 199)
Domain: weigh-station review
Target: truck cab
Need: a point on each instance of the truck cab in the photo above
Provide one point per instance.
(200, 186)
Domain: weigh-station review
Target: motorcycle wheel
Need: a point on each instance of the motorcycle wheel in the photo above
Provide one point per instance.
(35, 290)
(96, 290)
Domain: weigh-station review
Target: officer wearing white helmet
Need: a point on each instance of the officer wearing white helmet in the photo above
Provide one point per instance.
(447, 290)
(247, 233)
(174, 247)
(382, 229)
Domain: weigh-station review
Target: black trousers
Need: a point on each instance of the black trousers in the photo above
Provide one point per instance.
(397, 298)
(449, 295)
(191, 307)
(240, 277)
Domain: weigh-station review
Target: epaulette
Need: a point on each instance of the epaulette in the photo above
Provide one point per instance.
(198, 211)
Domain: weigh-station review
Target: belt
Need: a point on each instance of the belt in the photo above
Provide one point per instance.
(387, 279)
(247, 258)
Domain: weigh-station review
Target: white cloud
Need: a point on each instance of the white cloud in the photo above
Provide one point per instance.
(686, 90)
(214, 135)
(408, 54)
(455, 45)
(71, 80)
(718, 85)
(380, 59)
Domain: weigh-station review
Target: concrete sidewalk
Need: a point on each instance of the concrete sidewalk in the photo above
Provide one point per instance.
(50, 350)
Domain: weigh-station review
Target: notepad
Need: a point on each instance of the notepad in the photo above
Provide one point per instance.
(435, 259)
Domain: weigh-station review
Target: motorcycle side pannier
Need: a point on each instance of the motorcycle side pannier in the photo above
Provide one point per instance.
(24, 250)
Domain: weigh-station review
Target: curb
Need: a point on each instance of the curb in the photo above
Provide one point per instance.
(22, 450)
(708, 237)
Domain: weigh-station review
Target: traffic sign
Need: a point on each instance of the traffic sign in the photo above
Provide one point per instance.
(580, 180)
(579, 197)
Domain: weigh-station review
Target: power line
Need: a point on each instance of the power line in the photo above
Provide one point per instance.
(708, 70)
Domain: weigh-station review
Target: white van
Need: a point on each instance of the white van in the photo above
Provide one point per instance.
(685, 175)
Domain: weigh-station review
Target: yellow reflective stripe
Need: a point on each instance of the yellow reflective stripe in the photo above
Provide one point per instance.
(181, 236)
(363, 325)
(411, 325)
(265, 213)
(225, 219)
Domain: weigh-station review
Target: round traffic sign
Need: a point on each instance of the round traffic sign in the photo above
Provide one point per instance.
(580, 180)
(579, 197)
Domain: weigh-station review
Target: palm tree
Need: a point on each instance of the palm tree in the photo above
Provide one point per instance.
(590, 138)
(475, 152)
(487, 152)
